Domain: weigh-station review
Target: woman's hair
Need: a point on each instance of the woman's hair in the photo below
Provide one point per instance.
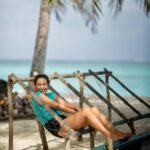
(41, 76)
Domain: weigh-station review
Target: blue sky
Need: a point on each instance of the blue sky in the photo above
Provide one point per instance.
(122, 38)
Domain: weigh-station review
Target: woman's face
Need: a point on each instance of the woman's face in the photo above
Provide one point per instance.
(41, 85)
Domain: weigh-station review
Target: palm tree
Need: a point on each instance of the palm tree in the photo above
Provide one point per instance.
(58, 6)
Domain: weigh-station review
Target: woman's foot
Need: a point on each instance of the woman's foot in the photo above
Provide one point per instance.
(121, 135)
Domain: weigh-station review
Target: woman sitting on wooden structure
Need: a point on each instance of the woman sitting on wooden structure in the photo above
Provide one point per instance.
(78, 118)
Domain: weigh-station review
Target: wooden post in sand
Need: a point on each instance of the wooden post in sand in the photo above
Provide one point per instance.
(108, 95)
(10, 111)
(80, 138)
(109, 140)
(42, 136)
(92, 130)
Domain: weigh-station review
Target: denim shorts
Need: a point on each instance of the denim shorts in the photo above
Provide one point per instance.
(53, 126)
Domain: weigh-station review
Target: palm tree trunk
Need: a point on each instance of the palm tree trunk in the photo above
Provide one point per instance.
(39, 57)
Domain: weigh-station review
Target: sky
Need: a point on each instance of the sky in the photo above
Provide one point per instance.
(122, 38)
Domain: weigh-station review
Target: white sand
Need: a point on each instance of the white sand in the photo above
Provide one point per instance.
(26, 137)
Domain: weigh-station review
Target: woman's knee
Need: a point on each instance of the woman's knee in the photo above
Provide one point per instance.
(86, 110)
(95, 109)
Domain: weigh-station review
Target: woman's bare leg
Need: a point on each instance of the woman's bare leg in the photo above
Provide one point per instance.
(84, 118)
(108, 125)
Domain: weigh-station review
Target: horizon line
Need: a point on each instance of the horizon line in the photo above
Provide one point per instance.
(83, 60)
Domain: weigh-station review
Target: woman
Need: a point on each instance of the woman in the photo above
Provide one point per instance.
(78, 118)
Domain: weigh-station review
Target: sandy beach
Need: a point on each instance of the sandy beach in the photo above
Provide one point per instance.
(26, 134)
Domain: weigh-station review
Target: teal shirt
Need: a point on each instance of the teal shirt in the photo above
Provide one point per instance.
(42, 115)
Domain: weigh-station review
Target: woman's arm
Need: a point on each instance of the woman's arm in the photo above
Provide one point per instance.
(57, 105)
(67, 104)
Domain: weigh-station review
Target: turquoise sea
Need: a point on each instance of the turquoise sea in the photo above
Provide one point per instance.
(135, 75)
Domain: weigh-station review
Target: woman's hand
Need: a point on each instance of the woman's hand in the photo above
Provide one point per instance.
(77, 108)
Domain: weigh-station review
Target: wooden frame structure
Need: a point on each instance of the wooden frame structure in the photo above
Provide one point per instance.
(81, 77)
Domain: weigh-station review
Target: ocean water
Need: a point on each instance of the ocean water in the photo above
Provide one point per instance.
(135, 75)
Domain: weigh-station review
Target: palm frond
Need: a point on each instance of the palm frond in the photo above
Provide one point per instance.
(90, 10)
(145, 5)
(116, 6)
(59, 8)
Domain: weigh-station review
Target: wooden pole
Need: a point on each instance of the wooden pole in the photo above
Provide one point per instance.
(42, 136)
(108, 95)
(80, 138)
(92, 130)
(109, 140)
(92, 136)
(10, 111)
